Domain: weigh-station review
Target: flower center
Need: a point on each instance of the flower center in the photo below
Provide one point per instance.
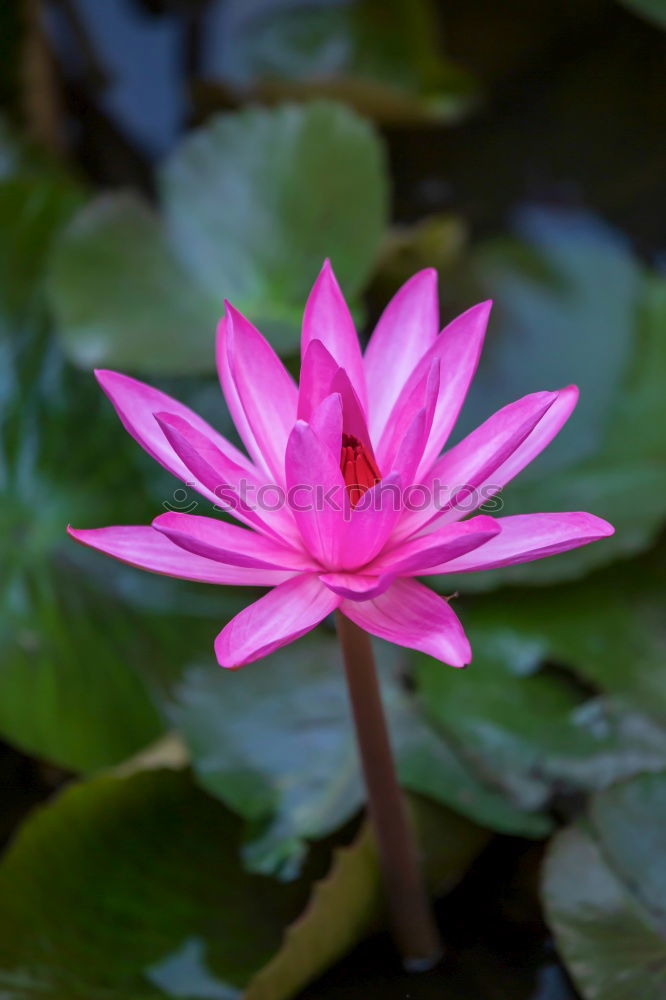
(358, 468)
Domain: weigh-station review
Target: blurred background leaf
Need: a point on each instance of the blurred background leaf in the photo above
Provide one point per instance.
(168, 911)
(294, 774)
(604, 892)
(251, 206)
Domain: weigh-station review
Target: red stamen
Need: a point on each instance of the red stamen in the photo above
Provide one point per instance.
(358, 468)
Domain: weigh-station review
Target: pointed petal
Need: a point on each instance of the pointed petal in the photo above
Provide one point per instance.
(327, 318)
(321, 376)
(539, 438)
(465, 473)
(457, 349)
(526, 537)
(144, 547)
(232, 487)
(353, 415)
(411, 615)
(318, 369)
(227, 543)
(284, 614)
(316, 493)
(135, 402)
(399, 445)
(326, 422)
(265, 391)
(415, 556)
(229, 390)
(406, 330)
(356, 587)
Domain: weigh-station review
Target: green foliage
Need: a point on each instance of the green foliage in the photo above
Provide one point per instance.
(146, 870)
(294, 773)
(604, 892)
(539, 731)
(78, 658)
(252, 204)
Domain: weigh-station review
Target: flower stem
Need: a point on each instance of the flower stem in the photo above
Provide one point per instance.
(414, 928)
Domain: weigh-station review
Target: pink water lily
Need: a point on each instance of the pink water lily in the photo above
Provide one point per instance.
(347, 494)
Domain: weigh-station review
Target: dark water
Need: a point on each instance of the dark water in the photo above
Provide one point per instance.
(497, 945)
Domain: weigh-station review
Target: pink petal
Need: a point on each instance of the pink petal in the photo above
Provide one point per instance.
(284, 614)
(229, 390)
(318, 369)
(544, 432)
(326, 422)
(148, 549)
(355, 586)
(327, 318)
(135, 402)
(321, 376)
(457, 349)
(406, 330)
(237, 490)
(316, 493)
(368, 526)
(526, 537)
(227, 543)
(411, 615)
(415, 556)
(403, 443)
(471, 466)
(353, 416)
(264, 391)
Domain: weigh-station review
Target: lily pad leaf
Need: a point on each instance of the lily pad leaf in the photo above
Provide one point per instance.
(603, 890)
(251, 207)
(119, 289)
(132, 888)
(532, 730)
(621, 655)
(294, 774)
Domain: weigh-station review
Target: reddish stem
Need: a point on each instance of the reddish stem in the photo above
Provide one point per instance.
(413, 925)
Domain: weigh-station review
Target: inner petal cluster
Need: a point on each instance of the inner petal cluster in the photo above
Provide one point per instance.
(358, 467)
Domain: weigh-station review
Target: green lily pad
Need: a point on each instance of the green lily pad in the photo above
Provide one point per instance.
(118, 242)
(131, 887)
(382, 58)
(603, 890)
(293, 773)
(535, 731)
(607, 629)
(250, 208)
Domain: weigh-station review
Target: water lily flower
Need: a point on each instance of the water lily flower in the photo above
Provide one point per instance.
(347, 493)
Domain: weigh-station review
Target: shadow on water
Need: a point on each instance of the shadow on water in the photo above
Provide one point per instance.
(498, 946)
